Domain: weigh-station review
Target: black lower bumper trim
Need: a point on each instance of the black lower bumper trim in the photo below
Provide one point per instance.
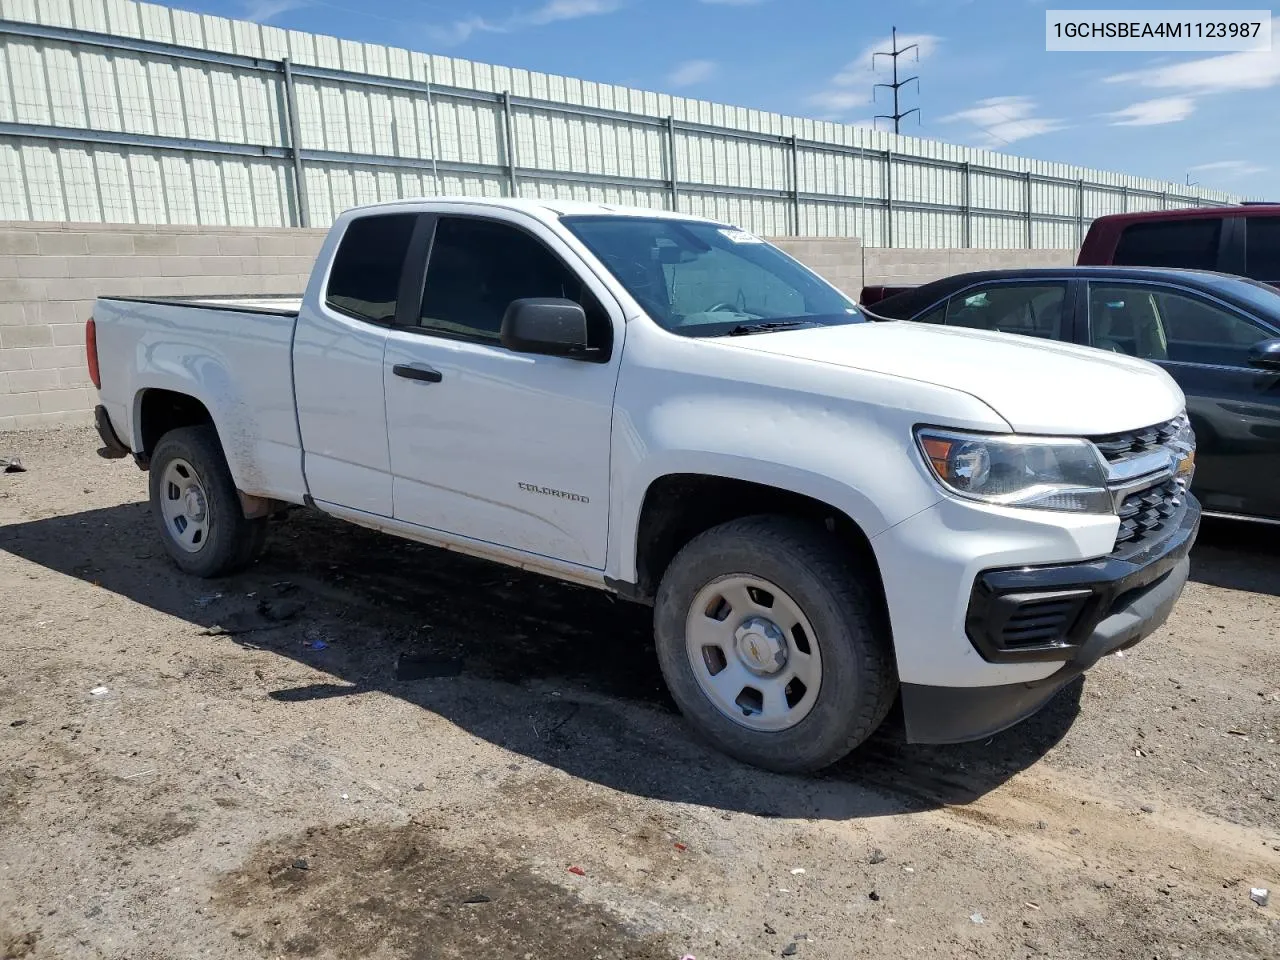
(1048, 613)
(957, 714)
(112, 447)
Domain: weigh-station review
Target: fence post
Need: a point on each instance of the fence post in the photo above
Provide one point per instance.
(795, 184)
(513, 185)
(888, 198)
(1030, 242)
(1079, 212)
(295, 146)
(966, 209)
(1124, 198)
(1164, 200)
(674, 181)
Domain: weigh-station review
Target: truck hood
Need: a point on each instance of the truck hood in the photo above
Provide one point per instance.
(1037, 386)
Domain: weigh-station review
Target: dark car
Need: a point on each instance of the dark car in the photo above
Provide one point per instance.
(1242, 240)
(1218, 336)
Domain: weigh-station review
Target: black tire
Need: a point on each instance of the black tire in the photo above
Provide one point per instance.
(234, 541)
(859, 677)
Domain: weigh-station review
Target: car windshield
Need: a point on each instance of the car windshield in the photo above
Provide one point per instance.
(704, 279)
(1260, 297)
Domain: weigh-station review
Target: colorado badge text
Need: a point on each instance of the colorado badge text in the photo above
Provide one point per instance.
(549, 492)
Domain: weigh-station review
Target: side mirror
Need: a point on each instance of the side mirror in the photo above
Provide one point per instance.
(1265, 354)
(546, 325)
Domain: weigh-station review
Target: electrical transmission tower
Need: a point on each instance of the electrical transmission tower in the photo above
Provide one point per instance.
(898, 114)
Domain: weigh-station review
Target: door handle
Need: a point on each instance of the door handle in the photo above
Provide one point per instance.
(417, 371)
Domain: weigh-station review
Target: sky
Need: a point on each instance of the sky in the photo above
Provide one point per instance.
(985, 79)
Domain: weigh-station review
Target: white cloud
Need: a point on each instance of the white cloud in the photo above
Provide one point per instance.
(1231, 168)
(557, 10)
(1150, 113)
(691, 72)
(834, 101)
(552, 12)
(260, 11)
(1222, 74)
(1002, 120)
(851, 86)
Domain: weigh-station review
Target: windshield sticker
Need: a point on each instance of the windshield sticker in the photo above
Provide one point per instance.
(740, 236)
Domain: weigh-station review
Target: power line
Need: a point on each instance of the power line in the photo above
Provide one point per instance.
(897, 115)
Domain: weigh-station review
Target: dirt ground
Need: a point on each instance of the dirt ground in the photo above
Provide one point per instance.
(367, 748)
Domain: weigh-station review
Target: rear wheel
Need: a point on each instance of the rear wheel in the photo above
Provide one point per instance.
(196, 506)
(772, 645)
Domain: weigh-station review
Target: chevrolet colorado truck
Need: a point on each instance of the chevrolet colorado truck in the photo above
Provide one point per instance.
(825, 513)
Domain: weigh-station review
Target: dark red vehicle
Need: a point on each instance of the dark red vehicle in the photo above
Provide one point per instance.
(1242, 240)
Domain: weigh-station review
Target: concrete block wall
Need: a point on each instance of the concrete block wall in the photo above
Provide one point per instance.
(51, 273)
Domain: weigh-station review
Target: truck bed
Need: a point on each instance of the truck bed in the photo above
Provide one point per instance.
(283, 305)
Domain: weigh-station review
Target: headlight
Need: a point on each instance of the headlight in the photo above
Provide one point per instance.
(1043, 473)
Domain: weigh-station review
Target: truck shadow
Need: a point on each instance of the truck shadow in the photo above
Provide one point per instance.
(1238, 555)
(560, 674)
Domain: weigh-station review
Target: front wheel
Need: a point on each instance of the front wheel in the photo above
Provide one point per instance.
(771, 644)
(196, 507)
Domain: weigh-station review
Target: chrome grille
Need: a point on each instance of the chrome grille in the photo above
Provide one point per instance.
(1145, 513)
(1121, 446)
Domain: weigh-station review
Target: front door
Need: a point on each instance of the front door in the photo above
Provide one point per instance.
(507, 448)
(1234, 408)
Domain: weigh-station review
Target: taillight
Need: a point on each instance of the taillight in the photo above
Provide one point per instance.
(91, 352)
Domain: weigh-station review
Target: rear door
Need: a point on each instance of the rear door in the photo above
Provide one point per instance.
(337, 365)
(1204, 345)
(507, 448)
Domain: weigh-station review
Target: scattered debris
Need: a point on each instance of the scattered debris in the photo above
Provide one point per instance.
(797, 871)
(140, 773)
(1032, 904)
(99, 692)
(18, 723)
(908, 869)
(478, 898)
(1238, 733)
(425, 667)
(1260, 895)
(578, 871)
(768, 928)
(790, 950)
(301, 864)
(205, 601)
(873, 896)
(278, 611)
(977, 918)
(1041, 825)
(1074, 831)
(11, 465)
(1147, 808)
(681, 847)
(284, 587)
(877, 856)
(421, 788)
(316, 644)
(345, 797)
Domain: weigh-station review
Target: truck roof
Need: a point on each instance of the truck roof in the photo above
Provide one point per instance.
(549, 209)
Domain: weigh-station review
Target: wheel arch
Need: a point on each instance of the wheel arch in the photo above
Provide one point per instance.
(676, 507)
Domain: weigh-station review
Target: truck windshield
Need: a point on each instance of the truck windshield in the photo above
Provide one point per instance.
(703, 279)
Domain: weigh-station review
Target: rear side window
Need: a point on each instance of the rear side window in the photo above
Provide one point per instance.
(1262, 249)
(1188, 244)
(1034, 310)
(365, 280)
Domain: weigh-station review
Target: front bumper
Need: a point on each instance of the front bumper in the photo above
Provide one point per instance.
(1100, 606)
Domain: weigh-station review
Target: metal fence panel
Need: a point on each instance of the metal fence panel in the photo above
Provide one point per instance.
(129, 112)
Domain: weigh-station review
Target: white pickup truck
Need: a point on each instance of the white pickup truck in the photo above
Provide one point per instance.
(824, 511)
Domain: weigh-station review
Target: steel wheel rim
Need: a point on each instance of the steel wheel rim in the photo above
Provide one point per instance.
(184, 504)
(754, 654)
